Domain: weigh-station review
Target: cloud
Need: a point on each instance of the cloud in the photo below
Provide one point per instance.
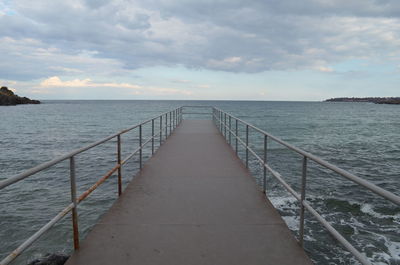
(48, 85)
(55, 81)
(180, 81)
(111, 38)
(159, 91)
(28, 59)
(324, 69)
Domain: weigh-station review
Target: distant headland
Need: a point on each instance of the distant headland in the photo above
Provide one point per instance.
(388, 100)
(8, 98)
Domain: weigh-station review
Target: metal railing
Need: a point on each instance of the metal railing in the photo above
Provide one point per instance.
(162, 126)
(167, 122)
(225, 121)
(197, 112)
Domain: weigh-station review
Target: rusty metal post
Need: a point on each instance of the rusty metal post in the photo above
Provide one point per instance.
(140, 145)
(265, 162)
(303, 197)
(75, 202)
(119, 163)
(152, 137)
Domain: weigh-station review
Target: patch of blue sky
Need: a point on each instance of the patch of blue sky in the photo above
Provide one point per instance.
(6, 8)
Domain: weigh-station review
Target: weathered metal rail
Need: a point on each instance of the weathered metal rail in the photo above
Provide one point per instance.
(168, 121)
(223, 121)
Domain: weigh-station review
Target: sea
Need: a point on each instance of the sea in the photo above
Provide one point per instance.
(362, 138)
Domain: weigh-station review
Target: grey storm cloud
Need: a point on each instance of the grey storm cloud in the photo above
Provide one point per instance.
(48, 37)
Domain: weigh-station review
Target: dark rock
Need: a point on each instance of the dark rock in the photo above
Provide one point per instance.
(51, 259)
(8, 98)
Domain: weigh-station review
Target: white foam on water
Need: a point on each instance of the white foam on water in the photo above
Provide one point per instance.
(284, 202)
(368, 209)
(292, 222)
(393, 250)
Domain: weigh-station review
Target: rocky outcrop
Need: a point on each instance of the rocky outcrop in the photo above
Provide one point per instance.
(388, 100)
(51, 259)
(8, 98)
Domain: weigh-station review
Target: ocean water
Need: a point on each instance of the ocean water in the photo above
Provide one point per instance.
(362, 138)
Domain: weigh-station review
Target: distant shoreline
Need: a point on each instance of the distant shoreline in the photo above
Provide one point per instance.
(376, 100)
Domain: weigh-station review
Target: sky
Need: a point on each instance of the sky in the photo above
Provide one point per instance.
(307, 50)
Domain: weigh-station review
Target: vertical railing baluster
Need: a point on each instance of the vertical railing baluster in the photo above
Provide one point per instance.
(152, 137)
(303, 197)
(75, 202)
(140, 146)
(230, 130)
(119, 163)
(225, 126)
(179, 115)
(265, 162)
(166, 126)
(247, 146)
(170, 122)
(215, 116)
(173, 119)
(220, 119)
(160, 130)
(237, 136)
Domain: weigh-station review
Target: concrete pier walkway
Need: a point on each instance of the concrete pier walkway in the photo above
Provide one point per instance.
(193, 203)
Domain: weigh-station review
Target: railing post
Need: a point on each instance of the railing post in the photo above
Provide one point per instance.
(230, 130)
(152, 137)
(303, 197)
(225, 125)
(173, 119)
(247, 146)
(119, 163)
(179, 115)
(215, 118)
(237, 135)
(220, 121)
(160, 130)
(140, 145)
(75, 202)
(265, 162)
(166, 126)
(170, 122)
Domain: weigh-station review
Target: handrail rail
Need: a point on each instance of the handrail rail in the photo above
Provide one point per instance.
(34, 170)
(174, 116)
(378, 190)
(220, 119)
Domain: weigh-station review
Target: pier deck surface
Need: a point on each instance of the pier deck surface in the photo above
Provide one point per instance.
(193, 203)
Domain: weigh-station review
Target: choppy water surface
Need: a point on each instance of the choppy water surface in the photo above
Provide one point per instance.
(363, 138)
